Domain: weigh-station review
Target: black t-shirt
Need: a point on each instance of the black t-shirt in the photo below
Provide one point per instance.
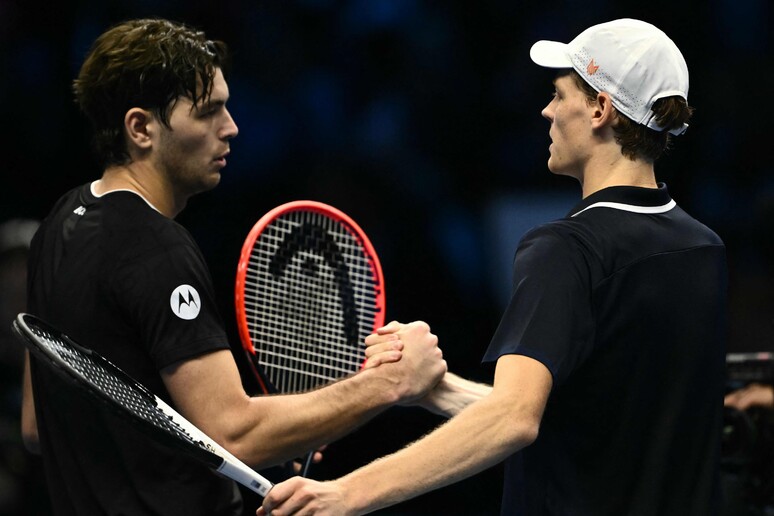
(120, 278)
(624, 302)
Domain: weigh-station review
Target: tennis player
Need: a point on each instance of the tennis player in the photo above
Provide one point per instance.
(608, 389)
(113, 270)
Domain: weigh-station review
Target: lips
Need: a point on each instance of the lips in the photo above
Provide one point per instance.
(221, 160)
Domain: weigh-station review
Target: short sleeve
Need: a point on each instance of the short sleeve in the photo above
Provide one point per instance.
(167, 294)
(549, 316)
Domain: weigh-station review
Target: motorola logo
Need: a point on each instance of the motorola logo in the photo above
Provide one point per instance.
(185, 302)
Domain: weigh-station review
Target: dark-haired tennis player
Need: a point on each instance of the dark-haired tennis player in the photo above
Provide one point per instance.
(113, 270)
(608, 391)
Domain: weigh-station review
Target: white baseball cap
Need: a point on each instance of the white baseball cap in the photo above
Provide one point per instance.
(633, 61)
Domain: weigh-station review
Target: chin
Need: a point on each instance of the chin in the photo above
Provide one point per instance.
(552, 167)
(212, 182)
(561, 171)
(205, 184)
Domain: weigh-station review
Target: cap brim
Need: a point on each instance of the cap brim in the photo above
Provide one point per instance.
(550, 54)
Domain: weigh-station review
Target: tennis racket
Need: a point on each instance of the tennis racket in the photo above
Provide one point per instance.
(309, 290)
(109, 385)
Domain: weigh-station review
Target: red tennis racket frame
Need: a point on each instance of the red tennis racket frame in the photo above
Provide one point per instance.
(303, 205)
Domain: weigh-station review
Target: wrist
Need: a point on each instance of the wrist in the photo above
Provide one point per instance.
(355, 499)
(382, 388)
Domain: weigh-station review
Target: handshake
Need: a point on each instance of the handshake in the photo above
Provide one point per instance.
(406, 359)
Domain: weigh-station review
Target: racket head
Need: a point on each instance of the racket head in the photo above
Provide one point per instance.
(309, 289)
(107, 384)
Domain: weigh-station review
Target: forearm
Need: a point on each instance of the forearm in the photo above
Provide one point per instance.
(482, 435)
(272, 429)
(453, 394)
(267, 430)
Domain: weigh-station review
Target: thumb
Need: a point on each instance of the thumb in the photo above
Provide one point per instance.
(391, 327)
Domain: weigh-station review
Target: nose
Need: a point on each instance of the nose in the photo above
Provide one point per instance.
(229, 129)
(548, 112)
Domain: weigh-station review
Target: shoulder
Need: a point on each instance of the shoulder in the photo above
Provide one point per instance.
(66, 207)
(130, 217)
(67, 203)
(560, 247)
(696, 230)
(129, 235)
(559, 236)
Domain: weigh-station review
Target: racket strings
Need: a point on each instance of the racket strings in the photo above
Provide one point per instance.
(128, 395)
(293, 298)
(277, 313)
(310, 300)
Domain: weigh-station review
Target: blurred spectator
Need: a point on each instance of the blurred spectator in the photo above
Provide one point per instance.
(21, 487)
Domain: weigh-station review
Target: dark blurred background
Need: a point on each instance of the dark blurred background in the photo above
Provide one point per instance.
(419, 119)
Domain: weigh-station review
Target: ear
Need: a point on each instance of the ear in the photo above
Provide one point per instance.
(604, 114)
(138, 126)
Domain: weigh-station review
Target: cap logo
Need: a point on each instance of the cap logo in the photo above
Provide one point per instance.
(591, 69)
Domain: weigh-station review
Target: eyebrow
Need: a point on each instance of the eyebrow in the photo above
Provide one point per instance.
(210, 104)
(558, 87)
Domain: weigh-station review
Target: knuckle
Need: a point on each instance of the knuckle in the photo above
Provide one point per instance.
(306, 494)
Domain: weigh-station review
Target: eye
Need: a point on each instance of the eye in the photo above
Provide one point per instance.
(212, 109)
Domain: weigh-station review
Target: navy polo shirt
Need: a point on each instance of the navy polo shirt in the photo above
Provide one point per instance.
(624, 302)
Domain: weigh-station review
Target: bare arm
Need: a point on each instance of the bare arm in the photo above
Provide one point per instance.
(453, 394)
(268, 430)
(29, 422)
(483, 434)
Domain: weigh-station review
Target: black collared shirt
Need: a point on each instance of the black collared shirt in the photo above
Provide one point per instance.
(623, 300)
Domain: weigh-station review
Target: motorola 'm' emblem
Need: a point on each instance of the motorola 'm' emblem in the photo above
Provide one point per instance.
(185, 302)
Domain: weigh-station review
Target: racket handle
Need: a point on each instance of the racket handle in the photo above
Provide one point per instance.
(230, 466)
(246, 476)
(307, 464)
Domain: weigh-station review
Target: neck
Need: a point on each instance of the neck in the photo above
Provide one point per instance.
(138, 178)
(616, 170)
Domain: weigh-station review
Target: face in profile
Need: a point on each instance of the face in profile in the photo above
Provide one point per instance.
(570, 129)
(192, 152)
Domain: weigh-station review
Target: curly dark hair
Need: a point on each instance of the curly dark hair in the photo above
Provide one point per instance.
(146, 63)
(637, 140)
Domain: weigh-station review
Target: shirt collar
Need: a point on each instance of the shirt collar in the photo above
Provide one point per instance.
(628, 198)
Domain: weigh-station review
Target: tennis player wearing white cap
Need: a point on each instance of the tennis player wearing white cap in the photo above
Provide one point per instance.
(608, 388)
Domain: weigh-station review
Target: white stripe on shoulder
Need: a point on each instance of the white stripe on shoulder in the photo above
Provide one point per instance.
(631, 207)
